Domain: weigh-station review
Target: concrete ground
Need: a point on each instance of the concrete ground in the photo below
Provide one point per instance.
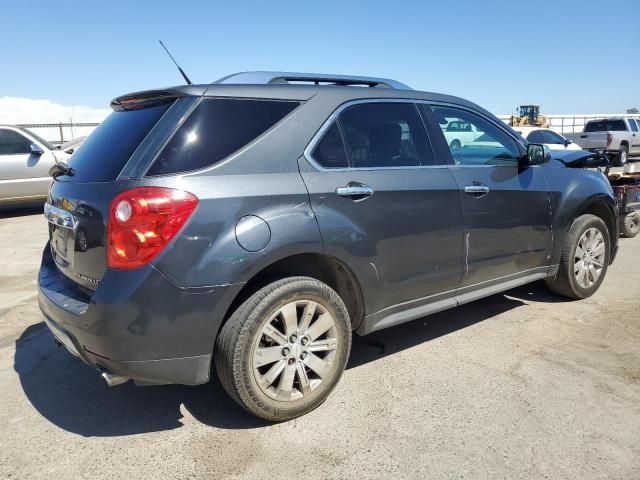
(519, 385)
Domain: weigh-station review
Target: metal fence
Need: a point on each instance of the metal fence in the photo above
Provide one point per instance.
(574, 123)
(57, 133)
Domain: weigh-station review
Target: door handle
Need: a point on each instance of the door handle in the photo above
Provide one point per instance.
(476, 190)
(355, 191)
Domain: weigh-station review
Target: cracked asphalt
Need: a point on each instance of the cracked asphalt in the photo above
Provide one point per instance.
(518, 385)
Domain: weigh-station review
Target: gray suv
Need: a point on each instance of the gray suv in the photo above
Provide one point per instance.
(251, 225)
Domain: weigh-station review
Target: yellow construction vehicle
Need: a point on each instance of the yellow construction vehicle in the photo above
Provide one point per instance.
(529, 115)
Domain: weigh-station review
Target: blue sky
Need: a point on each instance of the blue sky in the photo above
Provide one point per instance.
(568, 56)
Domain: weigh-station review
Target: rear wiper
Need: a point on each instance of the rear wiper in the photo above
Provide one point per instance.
(61, 168)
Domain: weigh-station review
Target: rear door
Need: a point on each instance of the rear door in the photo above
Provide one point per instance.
(505, 208)
(383, 204)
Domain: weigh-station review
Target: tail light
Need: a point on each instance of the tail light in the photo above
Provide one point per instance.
(142, 221)
(609, 139)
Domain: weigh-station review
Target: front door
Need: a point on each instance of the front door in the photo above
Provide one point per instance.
(383, 205)
(505, 207)
(22, 174)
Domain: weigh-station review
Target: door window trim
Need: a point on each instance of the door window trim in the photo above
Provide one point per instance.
(308, 151)
(427, 121)
(516, 138)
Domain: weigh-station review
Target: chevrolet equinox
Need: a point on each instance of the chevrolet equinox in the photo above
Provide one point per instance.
(251, 225)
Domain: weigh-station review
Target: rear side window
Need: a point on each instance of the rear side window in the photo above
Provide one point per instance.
(12, 143)
(330, 151)
(385, 135)
(216, 129)
(605, 126)
(105, 152)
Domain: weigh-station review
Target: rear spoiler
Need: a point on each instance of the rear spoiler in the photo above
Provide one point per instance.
(138, 100)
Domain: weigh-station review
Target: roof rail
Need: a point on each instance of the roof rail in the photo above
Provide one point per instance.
(265, 78)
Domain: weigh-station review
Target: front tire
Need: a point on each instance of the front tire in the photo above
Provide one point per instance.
(283, 350)
(584, 260)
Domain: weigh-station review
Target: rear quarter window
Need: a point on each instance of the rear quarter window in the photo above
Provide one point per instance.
(216, 129)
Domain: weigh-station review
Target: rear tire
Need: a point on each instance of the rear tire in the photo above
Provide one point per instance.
(584, 260)
(283, 350)
(455, 144)
(631, 224)
(623, 156)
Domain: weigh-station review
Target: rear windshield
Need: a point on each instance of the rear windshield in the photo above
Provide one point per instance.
(105, 152)
(606, 126)
(216, 129)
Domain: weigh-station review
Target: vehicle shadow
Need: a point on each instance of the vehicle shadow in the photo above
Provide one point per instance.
(72, 395)
(22, 211)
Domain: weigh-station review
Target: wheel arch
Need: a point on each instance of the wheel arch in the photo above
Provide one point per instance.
(320, 266)
(603, 208)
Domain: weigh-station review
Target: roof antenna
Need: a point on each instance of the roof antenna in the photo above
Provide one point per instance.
(184, 75)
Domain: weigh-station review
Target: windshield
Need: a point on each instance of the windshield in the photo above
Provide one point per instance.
(106, 151)
(605, 126)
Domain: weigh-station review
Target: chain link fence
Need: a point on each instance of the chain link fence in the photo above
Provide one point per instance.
(574, 123)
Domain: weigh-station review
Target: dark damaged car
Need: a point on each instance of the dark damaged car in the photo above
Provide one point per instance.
(249, 226)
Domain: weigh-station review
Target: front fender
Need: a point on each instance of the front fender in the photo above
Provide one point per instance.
(575, 192)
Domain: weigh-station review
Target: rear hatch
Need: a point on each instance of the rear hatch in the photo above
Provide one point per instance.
(78, 205)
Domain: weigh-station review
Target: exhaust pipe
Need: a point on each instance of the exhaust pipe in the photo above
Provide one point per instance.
(113, 380)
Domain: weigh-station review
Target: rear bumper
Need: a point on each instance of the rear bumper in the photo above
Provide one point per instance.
(137, 324)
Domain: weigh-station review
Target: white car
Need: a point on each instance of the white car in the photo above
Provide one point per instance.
(460, 133)
(547, 137)
(25, 160)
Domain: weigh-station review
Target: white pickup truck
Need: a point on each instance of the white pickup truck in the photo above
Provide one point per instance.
(618, 137)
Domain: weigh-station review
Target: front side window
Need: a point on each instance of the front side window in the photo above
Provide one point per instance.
(216, 129)
(387, 134)
(12, 143)
(490, 145)
(633, 125)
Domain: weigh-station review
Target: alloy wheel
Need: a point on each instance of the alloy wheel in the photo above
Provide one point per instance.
(295, 351)
(589, 257)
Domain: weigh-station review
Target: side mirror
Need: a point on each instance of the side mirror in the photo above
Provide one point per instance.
(567, 142)
(537, 154)
(36, 149)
